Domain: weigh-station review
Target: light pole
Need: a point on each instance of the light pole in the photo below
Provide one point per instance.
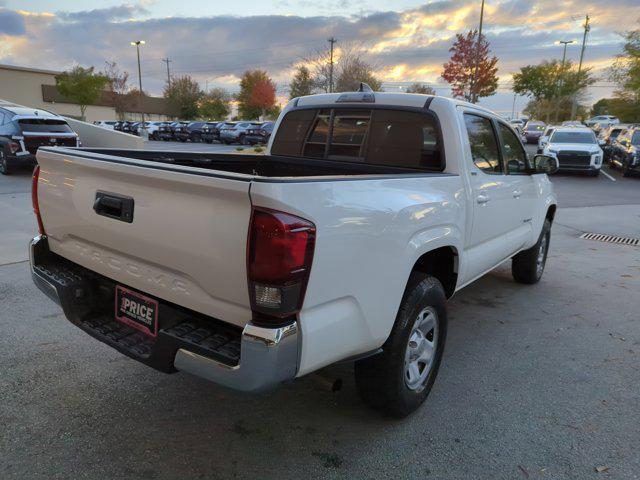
(472, 84)
(137, 44)
(564, 57)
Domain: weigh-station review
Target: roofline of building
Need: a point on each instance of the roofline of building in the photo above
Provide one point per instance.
(4, 66)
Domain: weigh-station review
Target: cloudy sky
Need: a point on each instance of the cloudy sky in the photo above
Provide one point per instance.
(216, 41)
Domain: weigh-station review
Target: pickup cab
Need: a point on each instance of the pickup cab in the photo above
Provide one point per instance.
(342, 243)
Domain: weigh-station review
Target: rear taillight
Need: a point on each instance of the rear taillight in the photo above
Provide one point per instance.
(280, 253)
(34, 198)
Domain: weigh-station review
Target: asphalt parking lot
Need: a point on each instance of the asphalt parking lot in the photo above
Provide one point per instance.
(538, 382)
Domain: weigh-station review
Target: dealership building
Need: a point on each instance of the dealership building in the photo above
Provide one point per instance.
(36, 88)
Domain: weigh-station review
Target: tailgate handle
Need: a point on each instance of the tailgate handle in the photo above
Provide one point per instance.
(114, 206)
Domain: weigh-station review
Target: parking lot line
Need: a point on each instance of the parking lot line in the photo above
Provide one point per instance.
(607, 175)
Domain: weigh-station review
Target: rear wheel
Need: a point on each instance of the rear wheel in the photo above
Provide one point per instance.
(528, 265)
(398, 380)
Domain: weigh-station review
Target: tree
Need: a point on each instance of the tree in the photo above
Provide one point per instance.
(625, 72)
(184, 94)
(257, 96)
(353, 69)
(302, 83)
(549, 85)
(214, 104)
(420, 88)
(81, 86)
(627, 111)
(117, 88)
(471, 71)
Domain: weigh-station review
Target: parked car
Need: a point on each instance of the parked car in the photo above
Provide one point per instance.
(127, 126)
(517, 122)
(608, 136)
(118, 125)
(625, 151)
(236, 132)
(258, 135)
(165, 132)
(150, 127)
(533, 131)
(194, 131)
(211, 131)
(577, 149)
(302, 268)
(109, 125)
(602, 121)
(544, 138)
(179, 131)
(24, 130)
(572, 123)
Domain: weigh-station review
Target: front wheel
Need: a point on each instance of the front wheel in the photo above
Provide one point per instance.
(398, 380)
(626, 168)
(528, 265)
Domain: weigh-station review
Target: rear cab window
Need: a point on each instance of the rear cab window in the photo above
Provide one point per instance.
(386, 137)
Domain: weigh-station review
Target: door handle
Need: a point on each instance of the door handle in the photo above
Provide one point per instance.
(114, 206)
(517, 193)
(482, 199)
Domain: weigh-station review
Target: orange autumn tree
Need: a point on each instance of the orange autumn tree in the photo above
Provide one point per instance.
(257, 95)
(471, 70)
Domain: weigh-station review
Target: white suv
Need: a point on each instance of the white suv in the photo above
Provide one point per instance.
(577, 149)
(602, 121)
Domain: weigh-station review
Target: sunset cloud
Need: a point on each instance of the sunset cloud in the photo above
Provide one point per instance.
(405, 46)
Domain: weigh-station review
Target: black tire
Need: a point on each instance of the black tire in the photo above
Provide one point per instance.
(5, 168)
(626, 169)
(525, 266)
(382, 379)
(243, 140)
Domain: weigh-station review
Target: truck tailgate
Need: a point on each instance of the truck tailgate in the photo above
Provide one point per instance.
(186, 243)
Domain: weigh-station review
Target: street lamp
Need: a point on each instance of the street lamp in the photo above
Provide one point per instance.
(137, 44)
(564, 57)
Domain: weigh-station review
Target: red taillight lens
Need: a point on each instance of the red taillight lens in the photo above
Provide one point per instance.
(34, 198)
(279, 261)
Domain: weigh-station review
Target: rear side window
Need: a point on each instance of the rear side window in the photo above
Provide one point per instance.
(292, 132)
(484, 147)
(44, 125)
(404, 139)
(377, 136)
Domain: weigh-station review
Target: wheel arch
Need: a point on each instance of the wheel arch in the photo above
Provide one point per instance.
(442, 263)
(551, 212)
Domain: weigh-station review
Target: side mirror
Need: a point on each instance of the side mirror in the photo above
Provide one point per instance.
(545, 164)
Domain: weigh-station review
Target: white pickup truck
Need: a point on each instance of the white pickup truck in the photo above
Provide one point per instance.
(342, 243)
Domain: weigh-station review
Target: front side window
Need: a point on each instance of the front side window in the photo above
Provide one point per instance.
(482, 139)
(515, 158)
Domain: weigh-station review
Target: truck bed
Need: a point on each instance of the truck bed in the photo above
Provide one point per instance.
(253, 167)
